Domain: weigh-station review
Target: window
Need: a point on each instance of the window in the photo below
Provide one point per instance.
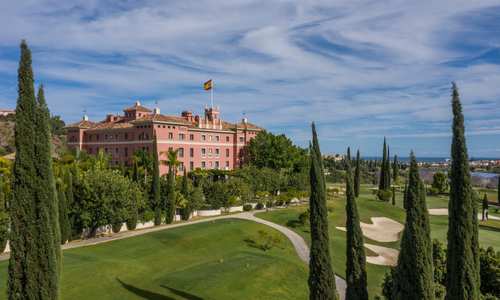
(105, 136)
(227, 152)
(227, 164)
(203, 165)
(125, 136)
(217, 152)
(217, 138)
(181, 167)
(203, 152)
(117, 150)
(203, 137)
(97, 137)
(216, 164)
(116, 136)
(126, 151)
(211, 164)
(191, 152)
(209, 152)
(191, 137)
(170, 136)
(181, 136)
(210, 138)
(241, 139)
(227, 139)
(181, 152)
(191, 166)
(147, 136)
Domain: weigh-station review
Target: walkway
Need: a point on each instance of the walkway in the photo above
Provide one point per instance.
(297, 241)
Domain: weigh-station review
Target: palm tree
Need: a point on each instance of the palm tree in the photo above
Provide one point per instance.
(144, 160)
(172, 162)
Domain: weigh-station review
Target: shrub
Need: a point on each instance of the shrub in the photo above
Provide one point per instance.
(433, 191)
(247, 207)
(259, 205)
(304, 218)
(264, 240)
(384, 195)
(116, 226)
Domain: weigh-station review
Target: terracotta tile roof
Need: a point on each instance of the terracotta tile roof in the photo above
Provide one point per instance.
(240, 125)
(82, 124)
(112, 125)
(138, 107)
(164, 118)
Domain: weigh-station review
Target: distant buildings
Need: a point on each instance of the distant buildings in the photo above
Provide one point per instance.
(205, 142)
(7, 112)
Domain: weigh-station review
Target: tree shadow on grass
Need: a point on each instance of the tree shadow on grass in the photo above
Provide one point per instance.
(145, 294)
(489, 228)
(183, 294)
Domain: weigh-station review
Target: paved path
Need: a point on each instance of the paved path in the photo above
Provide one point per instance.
(297, 241)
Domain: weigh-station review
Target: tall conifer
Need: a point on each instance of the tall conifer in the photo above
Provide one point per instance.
(395, 169)
(357, 175)
(155, 185)
(387, 184)
(498, 190)
(382, 180)
(171, 196)
(34, 262)
(321, 276)
(4, 217)
(414, 273)
(462, 265)
(355, 252)
(63, 213)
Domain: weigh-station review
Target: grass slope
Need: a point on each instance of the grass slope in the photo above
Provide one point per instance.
(202, 261)
(369, 207)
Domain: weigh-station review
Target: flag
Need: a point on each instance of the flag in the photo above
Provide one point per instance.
(208, 85)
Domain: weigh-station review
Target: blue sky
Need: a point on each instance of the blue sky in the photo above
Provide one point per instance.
(360, 69)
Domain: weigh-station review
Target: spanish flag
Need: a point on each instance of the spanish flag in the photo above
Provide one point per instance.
(207, 85)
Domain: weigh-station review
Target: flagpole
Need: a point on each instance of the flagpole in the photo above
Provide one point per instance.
(212, 95)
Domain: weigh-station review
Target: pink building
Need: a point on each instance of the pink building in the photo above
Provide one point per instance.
(205, 142)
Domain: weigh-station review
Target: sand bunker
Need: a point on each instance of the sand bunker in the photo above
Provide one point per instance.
(386, 256)
(382, 230)
(438, 211)
(444, 212)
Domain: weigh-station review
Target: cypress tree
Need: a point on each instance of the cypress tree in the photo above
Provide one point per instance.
(63, 213)
(4, 218)
(395, 169)
(485, 208)
(186, 211)
(321, 277)
(462, 265)
(348, 154)
(387, 184)
(50, 236)
(382, 180)
(171, 197)
(35, 253)
(498, 190)
(414, 275)
(355, 252)
(357, 175)
(155, 185)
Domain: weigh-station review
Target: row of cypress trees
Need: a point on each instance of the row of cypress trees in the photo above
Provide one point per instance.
(413, 277)
(35, 257)
(385, 169)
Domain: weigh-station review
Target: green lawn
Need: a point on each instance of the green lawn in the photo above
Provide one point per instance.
(368, 207)
(202, 261)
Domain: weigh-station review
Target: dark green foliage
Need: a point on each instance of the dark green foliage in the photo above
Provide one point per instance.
(154, 194)
(395, 169)
(355, 252)
(171, 197)
(490, 272)
(57, 125)
(321, 276)
(35, 253)
(485, 207)
(414, 277)
(384, 195)
(4, 217)
(348, 155)
(394, 196)
(357, 175)
(463, 249)
(385, 176)
(498, 191)
(388, 284)
(440, 182)
(64, 225)
(186, 211)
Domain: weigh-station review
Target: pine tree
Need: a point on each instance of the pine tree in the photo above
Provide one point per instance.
(462, 265)
(357, 175)
(155, 185)
(356, 260)
(35, 253)
(321, 277)
(382, 179)
(414, 275)
(63, 213)
(395, 169)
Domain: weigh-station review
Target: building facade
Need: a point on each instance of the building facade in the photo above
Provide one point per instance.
(205, 142)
